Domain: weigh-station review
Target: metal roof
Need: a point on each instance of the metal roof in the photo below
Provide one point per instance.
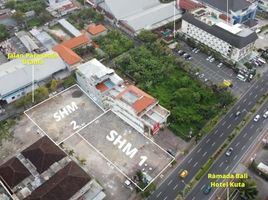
(233, 5)
(235, 40)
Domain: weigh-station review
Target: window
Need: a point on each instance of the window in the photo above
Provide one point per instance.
(13, 97)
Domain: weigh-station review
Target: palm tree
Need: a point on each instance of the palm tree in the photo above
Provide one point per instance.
(250, 191)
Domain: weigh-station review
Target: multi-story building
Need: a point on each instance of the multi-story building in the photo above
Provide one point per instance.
(233, 42)
(237, 11)
(263, 5)
(106, 88)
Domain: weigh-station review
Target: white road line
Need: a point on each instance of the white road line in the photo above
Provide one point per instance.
(221, 164)
(202, 187)
(169, 182)
(204, 154)
(229, 126)
(250, 93)
(221, 134)
(238, 107)
(193, 198)
(213, 144)
(223, 123)
(158, 194)
(226, 168)
(256, 86)
(195, 164)
(231, 115)
(199, 150)
(243, 147)
(216, 131)
(250, 138)
(208, 140)
(165, 198)
(189, 160)
(245, 135)
(175, 187)
(244, 100)
(251, 126)
(237, 144)
(255, 96)
(235, 157)
(249, 103)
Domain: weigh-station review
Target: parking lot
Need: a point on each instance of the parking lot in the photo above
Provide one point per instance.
(127, 149)
(64, 114)
(209, 71)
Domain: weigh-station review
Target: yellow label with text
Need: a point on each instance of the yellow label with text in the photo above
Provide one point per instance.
(32, 58)
(229, 183)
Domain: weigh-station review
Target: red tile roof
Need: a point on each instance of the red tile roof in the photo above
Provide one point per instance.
(102, 87)
(65, 49)
(63, 185)
(188, 4)
(144, 101)
(76, 42)
(13, 172)
(96, 29)
(69, 56)
(43, 154)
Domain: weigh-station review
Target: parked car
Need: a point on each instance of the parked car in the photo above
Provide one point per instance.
(197, 50)
(207, 189)
(181, 53)
(194, 50)
(185, 54)
(265, 115)
(256, 118)
(237, 113)
(188, 57)
(208, 58)
(212, 60)
(219, 65)
(229, 151)
(201, 75)
(183, 173)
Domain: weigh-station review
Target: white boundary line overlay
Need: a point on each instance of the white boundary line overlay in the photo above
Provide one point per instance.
(6, 190)
(77, 132)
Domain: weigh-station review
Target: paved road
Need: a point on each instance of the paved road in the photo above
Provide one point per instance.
(169, 189)
(227, 164)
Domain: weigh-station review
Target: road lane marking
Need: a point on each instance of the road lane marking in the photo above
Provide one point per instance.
(221, 164)
(250, 138)
(221, 134)
(249, 103)
(204, 154)
(199, 150)
(255, 96)
(193, 198)
(237, 144)
(195, 164)
(223, 123)
(256, 86)
(231, 115)
(158, 194)
(238, 107)
(208, 140)
(170, 182)
(203, 187)
(245, 135)
(244, 100)
(250, 93)
(190, 160)
(165, 198)
(213, 144)
(243, 147)
(226, 168)
(235, 157)
(216, 131)
(175, 187)
(229, 126)
(251, 126)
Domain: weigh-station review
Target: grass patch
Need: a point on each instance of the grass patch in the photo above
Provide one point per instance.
(5, 127)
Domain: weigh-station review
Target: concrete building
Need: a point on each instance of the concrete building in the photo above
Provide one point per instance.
(43, 171)
(69, 27)
(16, 78)
(58, 8)
(263, 5)
(133, 16)
(237, 11)
(96, 30)
(234, 42)
(136, 107)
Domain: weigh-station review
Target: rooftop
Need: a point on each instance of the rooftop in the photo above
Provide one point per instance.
(43, 154)
(13, 172)
(76, 42)
(96, 29)
(234, 5)
(135, 97)
(234, 35)
(69, 27)
(63, 185)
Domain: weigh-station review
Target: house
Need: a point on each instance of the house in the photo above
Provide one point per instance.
(44, 172)
(16, 77)
(59, 8)
(69, 28)
(233, 42)
(133, 16)
(96, 30)
(65, 50)
(136, 107)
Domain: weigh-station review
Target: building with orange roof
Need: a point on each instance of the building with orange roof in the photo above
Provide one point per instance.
(96, 30)
(108, 90)
(65, 50)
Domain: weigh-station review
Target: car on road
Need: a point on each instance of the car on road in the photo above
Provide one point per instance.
(229, 151)
(201, 75)
(207, 189)
(194, 50)
(237, 113)
(197, 50)
(208, 58)
(183, 173)
(212, 60)
(219, 65)
(188, 57)
(265, 115)
(256, 118)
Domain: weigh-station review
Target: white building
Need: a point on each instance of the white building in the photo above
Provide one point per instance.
(16, 78)
(233, 42)
(133, 105)
(263, 5)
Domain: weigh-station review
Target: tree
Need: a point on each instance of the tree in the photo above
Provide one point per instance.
(147, 36)
(18, 16)
(53, 85)
(250, 191)
(3, 32)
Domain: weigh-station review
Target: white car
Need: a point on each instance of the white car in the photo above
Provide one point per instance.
(212, 60)
(208, 58)
(197, 50)
(265, 115)
(219, 65)
(256, 118)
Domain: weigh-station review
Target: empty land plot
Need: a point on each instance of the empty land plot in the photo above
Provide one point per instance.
(62, 115)
(127, 149)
